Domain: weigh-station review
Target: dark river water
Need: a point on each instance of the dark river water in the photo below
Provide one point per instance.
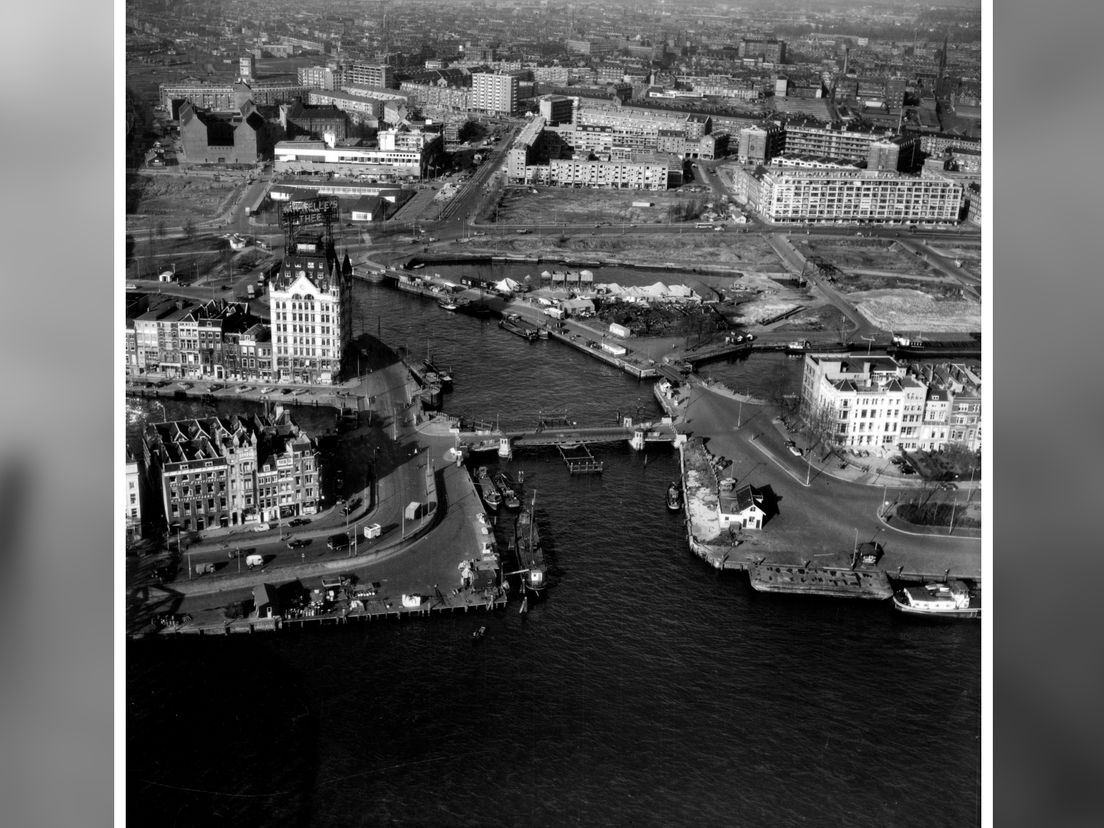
(646, 689)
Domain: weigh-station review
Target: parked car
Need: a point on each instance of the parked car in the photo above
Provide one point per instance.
(261, 527)
(298, 543)
(299, 521)
(793, 447)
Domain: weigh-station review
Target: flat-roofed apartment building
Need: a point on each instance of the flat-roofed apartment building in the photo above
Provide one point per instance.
(224, 97)
(358, 108)
(494, 93)
(642, 171)
(839, 140)
(317, 77)
(227, 471)
(831, 196)
(370, 74)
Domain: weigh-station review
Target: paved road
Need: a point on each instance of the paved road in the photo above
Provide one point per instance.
(824, 519)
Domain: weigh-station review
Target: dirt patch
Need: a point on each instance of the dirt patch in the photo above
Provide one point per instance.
(865, 254)
(556, 205)
(739, 252)
(906, 310)
(179, 197)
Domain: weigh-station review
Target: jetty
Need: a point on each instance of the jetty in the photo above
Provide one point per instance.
(579, 459)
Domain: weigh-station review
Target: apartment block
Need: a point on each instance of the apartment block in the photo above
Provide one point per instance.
(358, 108)
(493, 93)
(228, 471)
(225, 97)
(368, 74)
(557, 109)
(642, 171)
(317, 77)
(759, 143)
(768, 50)
(831, 196)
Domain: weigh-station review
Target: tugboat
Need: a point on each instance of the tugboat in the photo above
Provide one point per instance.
(950, 600)
(674, 496)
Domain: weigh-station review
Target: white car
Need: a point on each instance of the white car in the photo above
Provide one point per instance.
(794, 450)
(261, 527)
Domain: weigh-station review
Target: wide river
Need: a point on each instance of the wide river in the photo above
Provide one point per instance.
(645, 689)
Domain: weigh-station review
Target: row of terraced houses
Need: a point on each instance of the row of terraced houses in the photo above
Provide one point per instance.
(880, 402)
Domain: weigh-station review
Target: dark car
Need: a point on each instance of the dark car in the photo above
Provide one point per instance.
(352, 505)
(298, 543)
(299, 521)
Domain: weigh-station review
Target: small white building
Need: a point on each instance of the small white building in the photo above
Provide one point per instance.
(619, 330)
(741, 507)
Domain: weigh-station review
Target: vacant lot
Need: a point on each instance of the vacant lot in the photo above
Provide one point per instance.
(561, 205)
(911, 310)
(178, 198)
(968, 257)
(203, 259)
(862, 254)
(743, 252)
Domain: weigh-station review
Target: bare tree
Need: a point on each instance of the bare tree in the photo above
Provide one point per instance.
(821, 425)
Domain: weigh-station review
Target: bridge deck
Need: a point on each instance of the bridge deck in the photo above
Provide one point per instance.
(653, 433)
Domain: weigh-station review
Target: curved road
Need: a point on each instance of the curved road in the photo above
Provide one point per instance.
(822, 518)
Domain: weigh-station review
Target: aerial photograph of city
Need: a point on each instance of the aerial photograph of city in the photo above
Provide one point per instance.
(548, 413)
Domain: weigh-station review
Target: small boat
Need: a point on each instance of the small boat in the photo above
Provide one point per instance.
(950, 600)
(477, 634)
(798, 347)
(442, 377)
(487, 489)
(476, 309)
(447, 304)
(505, 488)
(674, 496)
(418, 266)
(512, 323)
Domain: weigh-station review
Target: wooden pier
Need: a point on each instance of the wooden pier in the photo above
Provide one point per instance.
(580, 460)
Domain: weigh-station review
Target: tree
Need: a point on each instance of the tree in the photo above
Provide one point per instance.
(189, 230)
(821, 425)
(787, 403)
